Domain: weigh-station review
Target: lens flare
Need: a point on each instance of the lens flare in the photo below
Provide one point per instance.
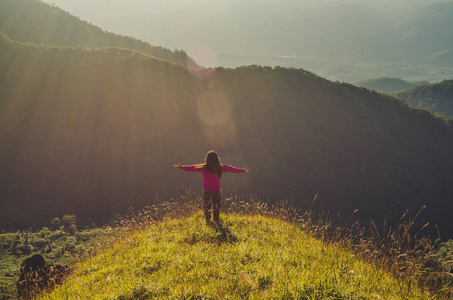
(214, 107)
(218, 124)
(221, 136)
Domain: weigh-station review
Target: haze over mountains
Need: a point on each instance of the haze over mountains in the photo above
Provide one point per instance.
(347, 41)
(95, 131)
(389, 85)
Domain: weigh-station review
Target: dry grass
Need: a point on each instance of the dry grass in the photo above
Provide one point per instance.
(408, 256)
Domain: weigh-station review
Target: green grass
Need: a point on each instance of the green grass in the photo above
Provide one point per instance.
(249, 257)
(57, 246)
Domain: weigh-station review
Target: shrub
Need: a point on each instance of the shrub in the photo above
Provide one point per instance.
(73, 229)
(55, 223)
(40, 243)
(44, 232)
(21, 249)
(68, 220)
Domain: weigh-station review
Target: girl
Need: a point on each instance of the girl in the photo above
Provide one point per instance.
(212, 171)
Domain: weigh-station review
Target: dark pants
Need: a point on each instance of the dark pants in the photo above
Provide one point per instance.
(211, 201)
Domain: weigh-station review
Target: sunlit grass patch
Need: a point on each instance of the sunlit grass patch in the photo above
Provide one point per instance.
(247, 257)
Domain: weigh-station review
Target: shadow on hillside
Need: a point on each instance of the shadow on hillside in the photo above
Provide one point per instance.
(224, 234)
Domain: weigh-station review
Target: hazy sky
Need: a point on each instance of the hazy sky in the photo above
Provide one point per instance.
(190, 24)
(238, 32)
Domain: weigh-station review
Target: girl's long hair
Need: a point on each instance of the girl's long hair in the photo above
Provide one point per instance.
(212, 163)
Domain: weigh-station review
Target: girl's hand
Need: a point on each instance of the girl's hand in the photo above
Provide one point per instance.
(245, 170)
(178, 166)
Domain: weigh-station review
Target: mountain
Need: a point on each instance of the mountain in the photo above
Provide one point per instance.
(437, 97)
(347, 41)
(425, 35)
(388, 85)
(266, 27)
(33, 21)
(92, 132)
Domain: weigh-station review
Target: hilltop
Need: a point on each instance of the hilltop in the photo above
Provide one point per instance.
(247, 257)
(167, 250)
(437, 97)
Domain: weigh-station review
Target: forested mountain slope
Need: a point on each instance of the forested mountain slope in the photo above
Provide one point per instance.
(93, 132)
(33, 21)
(436, 97)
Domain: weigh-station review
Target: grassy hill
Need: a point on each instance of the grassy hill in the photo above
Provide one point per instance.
(258, 251)
(388, 85)
(33, 21)
(248, 257)
(437, 97)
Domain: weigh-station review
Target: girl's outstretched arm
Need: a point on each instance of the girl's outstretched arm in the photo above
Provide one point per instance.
(228, 168)
(191, 168)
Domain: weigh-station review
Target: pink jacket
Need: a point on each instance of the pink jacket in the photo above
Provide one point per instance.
(211, 182)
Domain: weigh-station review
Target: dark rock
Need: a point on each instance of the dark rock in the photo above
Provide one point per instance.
(32, 276)
(33, 267)
(35, 276)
